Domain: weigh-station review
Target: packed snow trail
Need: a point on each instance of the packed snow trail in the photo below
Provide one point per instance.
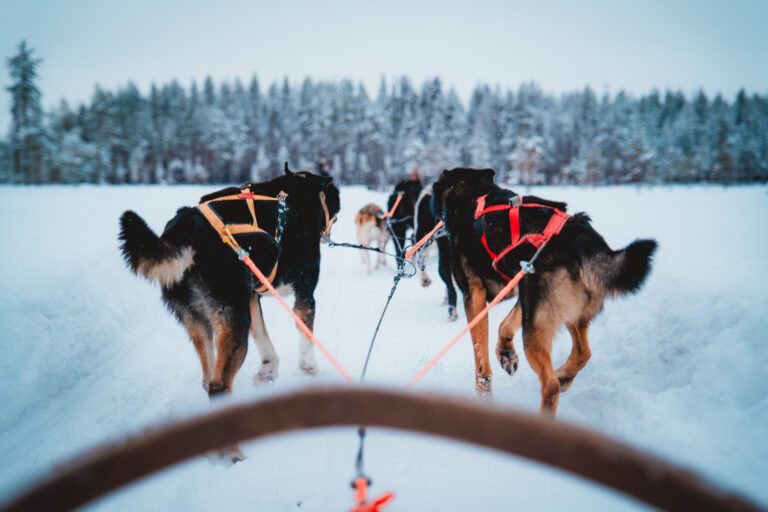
(89, 354)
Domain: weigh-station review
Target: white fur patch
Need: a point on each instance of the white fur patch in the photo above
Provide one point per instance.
(168, 271)
(284, 290)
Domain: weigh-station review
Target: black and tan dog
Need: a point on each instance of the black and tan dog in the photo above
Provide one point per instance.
(214, 295)
(574, 274)
(403, 215)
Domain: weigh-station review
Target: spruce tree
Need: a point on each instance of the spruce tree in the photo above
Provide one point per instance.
(26, 137)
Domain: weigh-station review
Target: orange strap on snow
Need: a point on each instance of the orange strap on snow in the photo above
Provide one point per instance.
(391, 212)
(361, 497)
(245, 258)
(424, 240)
(498, 298)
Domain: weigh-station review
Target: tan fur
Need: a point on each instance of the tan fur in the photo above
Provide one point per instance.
(473, 305)
(537, 340)
(229, 357)
(372, 230)
(565, 304)
(203, 342)
(570, 302)
(580, 354)
(600, 270)
(169, 271)
(505, 347)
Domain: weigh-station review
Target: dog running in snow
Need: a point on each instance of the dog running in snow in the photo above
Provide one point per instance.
(575, 272)
(214, 295)
(372, 231)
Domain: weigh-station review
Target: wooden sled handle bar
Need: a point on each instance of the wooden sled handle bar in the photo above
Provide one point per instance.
(570, 448)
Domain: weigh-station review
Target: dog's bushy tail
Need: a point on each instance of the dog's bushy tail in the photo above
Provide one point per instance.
(634, 265)
(149, 255)
(623, 271)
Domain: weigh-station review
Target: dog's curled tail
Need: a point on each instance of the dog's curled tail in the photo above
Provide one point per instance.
(623, 271)
(149, 255)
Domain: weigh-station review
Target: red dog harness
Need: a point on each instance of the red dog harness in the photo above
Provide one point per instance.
(516, 203)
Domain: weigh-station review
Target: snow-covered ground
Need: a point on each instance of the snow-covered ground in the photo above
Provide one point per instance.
(88, 354)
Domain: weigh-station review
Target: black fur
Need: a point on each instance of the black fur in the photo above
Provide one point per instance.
(402, 218)
(139, 239)
(216, 289)
(427, 218)
(636, 266)
(455, 194)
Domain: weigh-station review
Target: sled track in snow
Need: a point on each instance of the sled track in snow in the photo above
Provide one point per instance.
(573, 449)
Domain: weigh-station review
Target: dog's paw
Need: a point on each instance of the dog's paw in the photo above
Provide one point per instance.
(508, 360)
(483, 387)
(425, 281)
(308, 365)
(453, 314)
(228, 456)
(267, 374)
(564, 380)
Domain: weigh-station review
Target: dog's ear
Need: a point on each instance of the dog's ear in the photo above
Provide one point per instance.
(325, 181)
(287, 170)
(486, 175)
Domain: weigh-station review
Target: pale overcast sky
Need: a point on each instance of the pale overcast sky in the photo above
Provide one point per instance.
(719, 46)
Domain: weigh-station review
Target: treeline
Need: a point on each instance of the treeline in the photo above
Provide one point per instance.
(235, 132)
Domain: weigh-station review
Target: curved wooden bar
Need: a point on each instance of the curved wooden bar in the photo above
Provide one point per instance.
(570, 448)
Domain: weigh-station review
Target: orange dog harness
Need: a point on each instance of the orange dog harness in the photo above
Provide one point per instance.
(249, 234)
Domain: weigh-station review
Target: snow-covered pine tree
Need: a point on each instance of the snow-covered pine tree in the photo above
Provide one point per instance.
(27, 138)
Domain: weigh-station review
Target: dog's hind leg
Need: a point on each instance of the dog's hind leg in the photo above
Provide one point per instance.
(505, 348)
(580, 354)
(444, 269)
(304, 307)
(537, 340)
(474, 302)
(201, 335)
(231, 347)
(270, 362)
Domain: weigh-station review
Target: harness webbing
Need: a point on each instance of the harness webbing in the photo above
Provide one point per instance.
(391, 211)
(426, 238)
(236, 229)
(554, 226)
(227, 230)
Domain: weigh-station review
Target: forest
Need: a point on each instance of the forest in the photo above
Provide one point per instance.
(238, 132)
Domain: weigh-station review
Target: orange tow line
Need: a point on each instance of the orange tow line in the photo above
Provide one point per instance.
(361, 483)
(391, 212)
(361, 497)
(498, 298)
(415, 247)
(227, 238)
